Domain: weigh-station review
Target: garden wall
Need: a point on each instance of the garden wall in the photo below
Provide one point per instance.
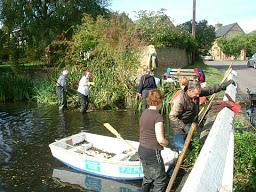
(168, 57)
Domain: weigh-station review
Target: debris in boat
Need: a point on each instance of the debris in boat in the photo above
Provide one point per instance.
(81, 143)
(134, 157)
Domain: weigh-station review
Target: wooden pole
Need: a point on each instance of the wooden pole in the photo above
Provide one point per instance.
(194, 19)
(181, 157)
(194, 29)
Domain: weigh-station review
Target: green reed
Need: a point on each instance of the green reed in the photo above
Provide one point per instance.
(15, 88)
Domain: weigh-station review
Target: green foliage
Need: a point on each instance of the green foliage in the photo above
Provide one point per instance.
(192, 155)
(233, 46)
(45, 88)
(158, 30)
(45, 91)
(169, 89)
(114, 43)
(205, 35)
(34, 24)
(57, 51)
(245, 162)
(15, 88)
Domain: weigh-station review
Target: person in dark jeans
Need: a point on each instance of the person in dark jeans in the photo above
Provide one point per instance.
(83, 90)
(152, 140)
(147, 83)
(61, 90)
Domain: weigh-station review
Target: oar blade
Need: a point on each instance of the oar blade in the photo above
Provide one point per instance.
(111, 129)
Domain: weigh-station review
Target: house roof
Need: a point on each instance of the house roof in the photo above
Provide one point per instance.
(225, 29)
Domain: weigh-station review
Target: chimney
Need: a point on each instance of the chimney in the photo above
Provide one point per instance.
(217, 26)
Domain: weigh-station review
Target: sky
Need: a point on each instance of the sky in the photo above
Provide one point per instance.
(225, 12)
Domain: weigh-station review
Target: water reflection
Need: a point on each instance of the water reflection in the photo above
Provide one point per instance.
(6, 140)
(94, 183)
(85, 120)
(63, 124)
(26, 130)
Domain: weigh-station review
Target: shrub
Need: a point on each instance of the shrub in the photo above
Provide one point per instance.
(245, 162)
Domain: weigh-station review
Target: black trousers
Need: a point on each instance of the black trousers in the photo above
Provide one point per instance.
(61, 93)
(154, 176)
(84, 100)
(144, 99)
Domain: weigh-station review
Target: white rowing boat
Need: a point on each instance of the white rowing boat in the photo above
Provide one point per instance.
(103, 156)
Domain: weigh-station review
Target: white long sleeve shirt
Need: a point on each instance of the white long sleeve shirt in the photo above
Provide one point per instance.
(83, 87)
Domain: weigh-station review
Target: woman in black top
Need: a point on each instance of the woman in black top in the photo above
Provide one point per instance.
(152, 140)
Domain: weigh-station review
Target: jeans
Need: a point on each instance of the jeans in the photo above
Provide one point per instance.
(154, 176)
(84, 100)
(180, 136)
(61, 93)
(144, 99)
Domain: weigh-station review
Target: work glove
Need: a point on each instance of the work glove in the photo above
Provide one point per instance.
(227, 83)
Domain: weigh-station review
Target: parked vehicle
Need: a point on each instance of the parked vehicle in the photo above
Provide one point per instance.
(208, 57)
(251, 112)
(252, 61)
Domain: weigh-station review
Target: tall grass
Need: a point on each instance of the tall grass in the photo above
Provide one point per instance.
(169, 89)
(15, 88)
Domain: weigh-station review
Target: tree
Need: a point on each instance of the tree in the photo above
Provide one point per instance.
(157, 29)
(205, 35)
(115, 44)
(234, 45)
(39, 22)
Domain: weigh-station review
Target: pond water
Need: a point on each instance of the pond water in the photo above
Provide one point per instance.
(26, 163)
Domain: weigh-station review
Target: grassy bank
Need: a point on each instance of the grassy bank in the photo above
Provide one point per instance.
(245, 155)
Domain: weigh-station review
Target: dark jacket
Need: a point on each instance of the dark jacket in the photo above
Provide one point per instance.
(147, 82)
(185, 109)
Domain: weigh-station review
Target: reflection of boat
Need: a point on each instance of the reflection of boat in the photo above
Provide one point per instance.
(93, 183)
(103, 156)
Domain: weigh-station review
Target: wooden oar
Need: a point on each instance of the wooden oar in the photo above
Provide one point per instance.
(112, 130)
(193, 127)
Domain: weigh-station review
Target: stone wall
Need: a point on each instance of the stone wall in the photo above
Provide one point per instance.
(168, 57)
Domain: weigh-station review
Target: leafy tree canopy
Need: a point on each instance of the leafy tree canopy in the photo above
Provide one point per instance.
(157, 29)
(205, 35)
(234, 45)
(114, 44)
(36, 23)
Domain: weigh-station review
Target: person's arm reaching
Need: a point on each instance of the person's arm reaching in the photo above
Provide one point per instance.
(216, 88)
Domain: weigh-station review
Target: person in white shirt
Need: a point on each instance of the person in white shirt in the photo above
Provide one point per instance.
(83, 90)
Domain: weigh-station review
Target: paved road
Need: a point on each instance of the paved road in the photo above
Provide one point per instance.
(246, 76)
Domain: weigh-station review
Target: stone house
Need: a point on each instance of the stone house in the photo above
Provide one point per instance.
(227, 31)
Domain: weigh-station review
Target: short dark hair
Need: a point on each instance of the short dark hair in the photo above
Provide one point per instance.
(194, 85)
(155, 97)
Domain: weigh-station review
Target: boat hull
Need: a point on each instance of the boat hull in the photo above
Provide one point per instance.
(114, 167)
